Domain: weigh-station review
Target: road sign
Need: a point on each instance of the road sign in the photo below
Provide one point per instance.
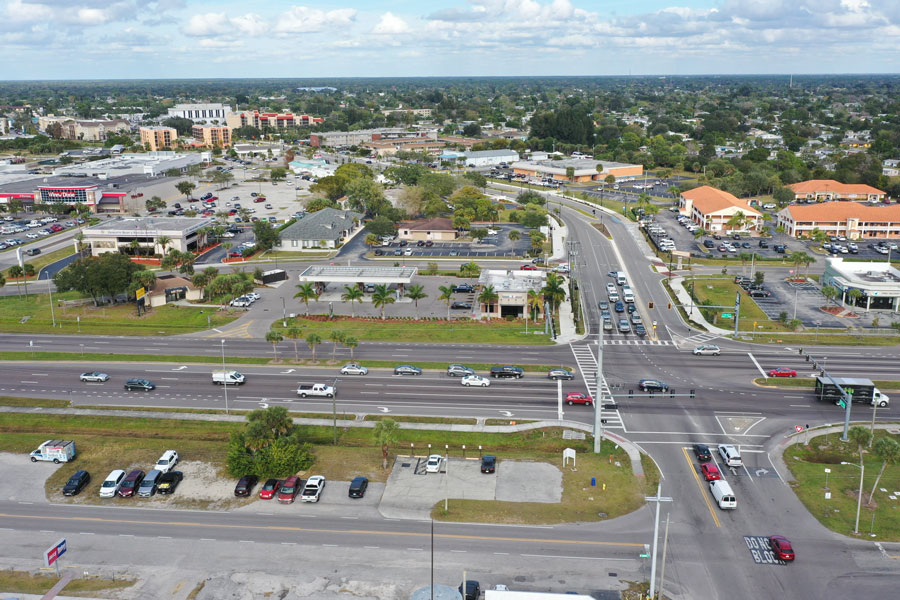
(140, 293)
(54, 552)
(727, 315)
(798, 428)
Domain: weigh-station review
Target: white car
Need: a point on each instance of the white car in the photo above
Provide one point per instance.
(95, 377)
(493, 231)
(354, 369)
(43, 232)
(407, 252)
(434, 463)
(227, 234)
(111, 484)
(168, 460)
(253, 296)
(240, 302)
(313, 489)
(31, 235)
(475, 380)
(707, 349)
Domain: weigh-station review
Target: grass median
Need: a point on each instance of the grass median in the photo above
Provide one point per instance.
(722, 293)
(809, 382)
(23, 582)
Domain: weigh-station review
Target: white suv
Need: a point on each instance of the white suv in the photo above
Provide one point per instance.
(111, 484)
(168, 460)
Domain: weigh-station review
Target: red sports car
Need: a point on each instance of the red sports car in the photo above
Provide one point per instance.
(710, 471)
(268, 491)
(782, 548)
(578, 398)
(782, 372)
(528, 268)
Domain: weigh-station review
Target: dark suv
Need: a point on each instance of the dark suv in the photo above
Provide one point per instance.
(76, 483)
(507, 371)
(653, 385)
(358, 487)
(463, 287)
(488, 463)
(139, 384)
(702, 452)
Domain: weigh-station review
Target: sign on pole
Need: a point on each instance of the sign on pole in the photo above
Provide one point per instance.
(140, 293)
(53, 553)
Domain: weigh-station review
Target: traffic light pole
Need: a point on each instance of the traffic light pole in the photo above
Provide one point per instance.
(598, 398)
(846, 396)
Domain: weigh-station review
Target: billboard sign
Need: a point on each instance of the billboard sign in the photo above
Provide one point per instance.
(53, 553)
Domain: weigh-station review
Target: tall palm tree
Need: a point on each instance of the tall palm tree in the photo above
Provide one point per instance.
(294, 333)
(273, 337)
(164, 242)
(535, 300)
(352, 294)
(306, 292)
(554, 291)
(416, 293)
(313, 340)
(381, 297)
(446, 296)
(487, 297)
(135, 246)
(888, 450)
(514, 235)
(736, 220)
(351, 342)
(335, 336)
(385, 433)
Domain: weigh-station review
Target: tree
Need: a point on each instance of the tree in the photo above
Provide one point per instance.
(416, 293)
(535, 301)
(488, 297)
(514, 235)
(220, 178)
(570, 174)
(446, 296)
(531, 197)
(861, 437)
(854, 294)
(381, 226)
(758, 277)
(274, 337)
(351, 343)
(381, 297)
(469, 269)
(737, 220)
(278, 173)
(154, 203)
(554, 291)
(185, 187)
(367, 196)
(610, 179)
(164, 242)
(265, 235)
(313, 340)
(888, 450)
(478, 233)
(294, 333)
(476, 178)
(335, 336)
(830, 292)
(106, 275)
(385, 434)
(352, 294)
(331, 187)
(306, 292)
(371, 240)
(537, 240)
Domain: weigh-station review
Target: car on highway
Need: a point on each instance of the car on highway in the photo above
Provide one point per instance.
(139, 384)
(168, 460)
(603, 305)
(76, 483)
(488, 463)
(508, 371)
(781, 547)
(636, 319)
(354, 369)
(607, 324)
(269, 488)
(701, 451)
(131, 483)
(288, 490)
(710, 471)
(555, 374)
(459, 370)
(461, 306)
(111, 484)
(476, 380)
(407, 370)
(434, 463)
(653, 385)
(245, 486)
(312, 491)
(620, 306)
(707, 350)
(782, 372)
(148, 485)
(169, 481)
(578, 398)
(358, 487)
(94, 376)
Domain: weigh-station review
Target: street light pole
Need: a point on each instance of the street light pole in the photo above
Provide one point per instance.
(224, 379)
(862, 471)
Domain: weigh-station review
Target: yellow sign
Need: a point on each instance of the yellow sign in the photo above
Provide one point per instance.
(140, 293)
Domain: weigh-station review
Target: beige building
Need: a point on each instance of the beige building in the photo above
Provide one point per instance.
(212, 136)
(89, 130)
(712, 209)
(172, 288)
(439, 229)
(512, 289)
(158, 138)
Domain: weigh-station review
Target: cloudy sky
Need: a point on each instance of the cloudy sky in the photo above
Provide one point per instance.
(92, 39)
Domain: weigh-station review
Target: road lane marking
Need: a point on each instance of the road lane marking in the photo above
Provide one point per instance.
(761, 372)
(700, 487)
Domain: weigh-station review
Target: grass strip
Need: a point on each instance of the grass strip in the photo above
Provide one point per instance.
(402, 419)
(848, 339)
(809, 382)
(36, 402)
(23, 582)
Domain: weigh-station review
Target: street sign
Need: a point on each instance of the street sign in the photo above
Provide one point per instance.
(798, 428)
(140, 293)
(727, 316)
(54, 552)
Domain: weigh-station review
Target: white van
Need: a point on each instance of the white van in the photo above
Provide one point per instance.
(228, 378)
(723, 494)
(730, 455)
(628, 297)
(620, 278)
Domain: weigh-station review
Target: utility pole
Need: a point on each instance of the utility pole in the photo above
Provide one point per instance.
(658, 498)
(598, 398)
(662, 570)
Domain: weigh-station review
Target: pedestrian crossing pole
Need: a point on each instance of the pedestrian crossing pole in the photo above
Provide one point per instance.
(598, 399)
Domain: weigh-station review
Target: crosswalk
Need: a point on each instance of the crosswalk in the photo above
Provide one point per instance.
(693, 340)
(627, 342)
(587, 366)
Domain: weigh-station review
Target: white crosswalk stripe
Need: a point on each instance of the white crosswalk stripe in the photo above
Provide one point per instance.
(627, 342)
(587, 366)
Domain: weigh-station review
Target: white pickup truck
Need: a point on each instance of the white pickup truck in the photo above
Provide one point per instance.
(315, 389)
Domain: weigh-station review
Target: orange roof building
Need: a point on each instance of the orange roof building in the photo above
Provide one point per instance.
(826, 190)
(853, 220)
(712, 209)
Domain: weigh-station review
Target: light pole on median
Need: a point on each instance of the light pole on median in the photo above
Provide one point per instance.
(862, 471)
(224, 378)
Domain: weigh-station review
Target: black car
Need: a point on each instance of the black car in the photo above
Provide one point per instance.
(488, 463)
(507, 371)
(461, 305)
(358, 487)
(555, 374)
(245, 486)
(702, 452)
(420, 243)
(429, 243)
(709, 243)
(168, 482)
(653, 385)
(631, 307)
(763, 244)
(463, 287)
(407, 370)
(76, 483)
(639, 329)
(139, 384)
(403, 243)
(780, 248)
(379, 252)
(759, 293)
(473, 590)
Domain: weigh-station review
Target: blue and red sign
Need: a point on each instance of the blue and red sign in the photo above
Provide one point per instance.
(52, 554)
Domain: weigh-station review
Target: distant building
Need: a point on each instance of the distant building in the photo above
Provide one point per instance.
(270, 120)
(430, 229)
(337, 139)
(326, 228)
(158, 138)
(890, 167)
(584, 170)
(512, 289)
(392, 146)
(851, 219)
(212, 136)
(258, 149)
(419, 112)
(89, 130)
(712, 209)
(185, 235)
(825, 190)
(201, 113)
(490, 158)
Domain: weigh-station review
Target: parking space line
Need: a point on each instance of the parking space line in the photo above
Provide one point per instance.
(700, 487)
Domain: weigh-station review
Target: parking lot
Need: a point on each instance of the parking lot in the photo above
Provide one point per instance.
(800, 299)
(497, 244)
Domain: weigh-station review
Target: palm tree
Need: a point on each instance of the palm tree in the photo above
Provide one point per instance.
(554, 291)
(352, 294)
(313, 340)
(514, 235)
(744, 256)
(351, 342)
(294, 333)
(854, 294)
(134, 245)
(273, 337)
(798, 258)
(335, 336)
(385, 434)
(737, 220)
(164, 242)
(307, 292)
(861, 436)
(446, 296)
(888, 450)
(830, 292)
(416, 293)
(487, 297)
(535, 300)
(381, 297)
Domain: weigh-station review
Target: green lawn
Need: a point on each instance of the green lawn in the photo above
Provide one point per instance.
(808, 464)
(121, 319)
(494, 331)
(722, 293)
(23, 582)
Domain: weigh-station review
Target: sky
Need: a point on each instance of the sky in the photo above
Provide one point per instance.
(137, 39)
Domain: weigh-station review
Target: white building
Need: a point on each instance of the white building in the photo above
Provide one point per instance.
(201, 113)
(490, 158)
(878, 282)
(185, 235)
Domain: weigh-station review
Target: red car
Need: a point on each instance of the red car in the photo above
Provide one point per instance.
(56, 227)
(269, 489)
(782, 372)
(528, 268)
(710, 471)
(235, 254)
(578, 398)
(782, 548)
(289, 489)
(131, 483)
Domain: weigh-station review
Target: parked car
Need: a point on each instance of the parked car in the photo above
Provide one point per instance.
(433, 465)
(459, 371)
(358, 487)
(407, 370)
(461, 306)
(289, 489)
(701, 451)
(782, 547)
(354, 369)
(759, 293)
(312, 491)
(476, 380)
(245, 486)
(168, 460)
(472, 590)
(782, 372)
(463, 288)
(94, 376)
(148, 485)
(168, 481)
(76, 483)
(269, 489)
(653, 385)
(555, 374)
(488, 463)
(111, 484)
(131, 483)
(578, 398)
(139, 384)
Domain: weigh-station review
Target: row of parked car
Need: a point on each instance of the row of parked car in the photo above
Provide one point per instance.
(162, 478)
(286, 490)
(754, 290)
(245, 301)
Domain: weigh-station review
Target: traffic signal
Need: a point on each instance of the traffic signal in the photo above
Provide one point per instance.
(631, 393)
(650, 305)
(693, 394)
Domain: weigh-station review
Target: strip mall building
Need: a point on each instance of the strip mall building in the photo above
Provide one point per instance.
(98, 200)
(854, 220)
(585, 170)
